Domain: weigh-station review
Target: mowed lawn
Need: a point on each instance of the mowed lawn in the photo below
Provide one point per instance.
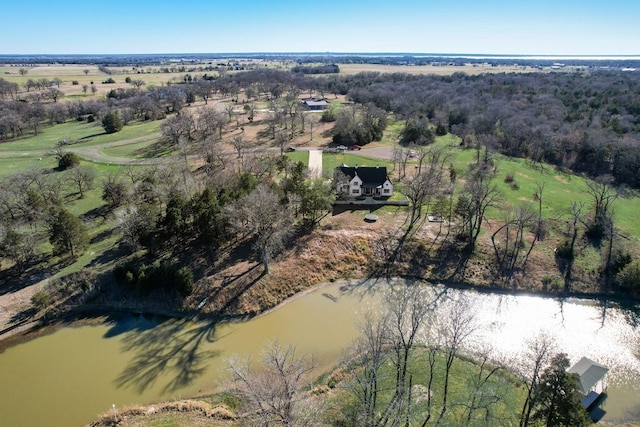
(39, 151)
(560, 189)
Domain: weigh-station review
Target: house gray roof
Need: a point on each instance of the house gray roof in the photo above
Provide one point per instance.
(318, 102)
(589, 372)
(370, 176)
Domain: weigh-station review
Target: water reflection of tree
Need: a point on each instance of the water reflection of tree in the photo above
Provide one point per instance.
(173, 347)
(630, 311)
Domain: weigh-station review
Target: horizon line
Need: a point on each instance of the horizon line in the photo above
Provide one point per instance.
(337, 53)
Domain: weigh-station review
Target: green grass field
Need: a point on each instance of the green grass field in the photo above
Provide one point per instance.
(502, 389)
(560, 188)
(79, 134)
(331, 161)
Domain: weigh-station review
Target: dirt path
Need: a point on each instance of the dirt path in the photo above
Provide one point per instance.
(382, 153)
(315, 163)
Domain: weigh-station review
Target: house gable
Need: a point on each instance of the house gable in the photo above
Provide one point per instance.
(367, 181)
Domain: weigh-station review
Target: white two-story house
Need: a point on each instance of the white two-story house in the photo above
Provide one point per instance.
(358, 182)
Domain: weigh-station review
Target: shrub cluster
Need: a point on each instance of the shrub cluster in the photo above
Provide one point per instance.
(158, 276)
(68, 160)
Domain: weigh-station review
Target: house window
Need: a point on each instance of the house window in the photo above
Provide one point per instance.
(355, 191)
(386, 191)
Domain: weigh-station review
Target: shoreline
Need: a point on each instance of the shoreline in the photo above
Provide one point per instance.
(35, 327)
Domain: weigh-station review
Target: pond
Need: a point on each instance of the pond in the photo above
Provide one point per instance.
(68, 377)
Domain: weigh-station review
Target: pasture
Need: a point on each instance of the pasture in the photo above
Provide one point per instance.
(142, 143)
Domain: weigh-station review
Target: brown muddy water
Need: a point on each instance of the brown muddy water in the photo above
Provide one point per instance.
(68, 377)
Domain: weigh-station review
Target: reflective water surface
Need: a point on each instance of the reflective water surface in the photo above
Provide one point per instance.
(66, 378)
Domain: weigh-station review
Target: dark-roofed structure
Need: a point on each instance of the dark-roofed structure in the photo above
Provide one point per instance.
(363, 181)
(315, 103)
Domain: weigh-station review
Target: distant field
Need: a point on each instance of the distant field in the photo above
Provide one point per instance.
(75, 72)
(152, 75)
(444, 70)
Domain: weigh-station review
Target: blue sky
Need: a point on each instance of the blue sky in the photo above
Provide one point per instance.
(531, 27)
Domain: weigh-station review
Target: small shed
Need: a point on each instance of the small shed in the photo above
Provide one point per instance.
(591, 375)
(591, 383)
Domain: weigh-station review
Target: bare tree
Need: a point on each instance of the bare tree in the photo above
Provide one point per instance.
(484, 394)
(30, 84)
(312, 121)
(454, 325)
(207, 123)
(539, 227)
(536, 357)
(408, 308)
(262, 215)
(508, 239)
(576, 215)
(603, 195)
(478, 195)
(114, 191)
(179, 127)
(54, 94)
(275, 388)
(83, 177)
(281, 141)
(369, 356)
(426, 182)
(240, 145)
(204, 88)
(138, 83)
(275, 119)
(401, 157)
(17, 245)
(230, 110)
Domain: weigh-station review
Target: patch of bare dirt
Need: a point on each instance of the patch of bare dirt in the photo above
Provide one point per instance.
(12, 307)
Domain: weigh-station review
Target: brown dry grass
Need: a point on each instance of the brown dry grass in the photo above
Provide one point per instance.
(328, 253)
(344, 246)
(178, 413)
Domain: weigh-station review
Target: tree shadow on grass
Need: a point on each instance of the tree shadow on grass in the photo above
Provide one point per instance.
(89, 137)
(172, 348)
(111, 255)
(19, 277)
(158, 149)
(19, 319)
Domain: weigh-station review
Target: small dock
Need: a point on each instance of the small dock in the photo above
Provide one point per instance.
(592, 386)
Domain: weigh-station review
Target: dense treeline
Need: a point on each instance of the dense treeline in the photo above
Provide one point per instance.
(585, 123)
(317, 69)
